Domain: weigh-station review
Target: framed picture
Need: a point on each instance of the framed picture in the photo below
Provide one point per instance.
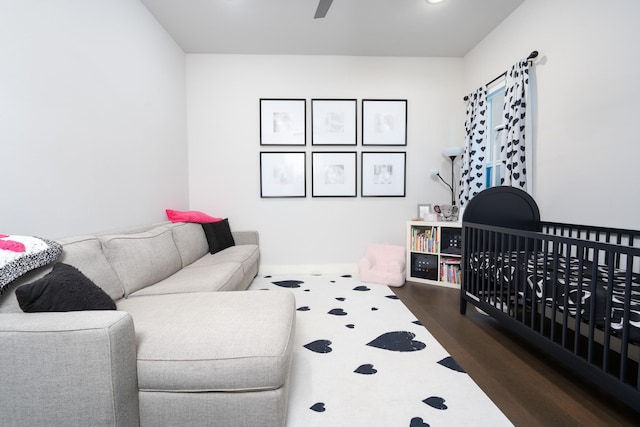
(333, 174)
(383, 174)
(333, 121)
(283, 174)
(424, 212)
(283, 121)
(384, 122)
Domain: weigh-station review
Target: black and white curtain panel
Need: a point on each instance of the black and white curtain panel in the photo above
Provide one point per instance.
(513, 149)
(473, 157)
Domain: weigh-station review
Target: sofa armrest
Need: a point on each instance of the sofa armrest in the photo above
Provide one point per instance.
(74, 368)
(245, 237)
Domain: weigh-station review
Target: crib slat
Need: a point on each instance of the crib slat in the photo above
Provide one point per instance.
(607, 317)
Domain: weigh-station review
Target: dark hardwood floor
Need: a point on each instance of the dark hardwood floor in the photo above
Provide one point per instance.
(530, 388)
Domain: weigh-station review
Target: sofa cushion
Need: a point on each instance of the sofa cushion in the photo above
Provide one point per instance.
(85, 253)
(190, 342)
(224, 277)
(142, 259)
(190, 241)
(218, 235)
(65, 288)
(247, 255)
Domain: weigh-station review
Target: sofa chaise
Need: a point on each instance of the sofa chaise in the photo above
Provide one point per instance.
(183, 347)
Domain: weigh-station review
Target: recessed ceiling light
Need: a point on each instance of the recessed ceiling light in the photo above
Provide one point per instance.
(434, 1)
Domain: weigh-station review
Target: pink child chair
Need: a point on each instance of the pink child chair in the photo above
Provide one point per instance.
(383, 264)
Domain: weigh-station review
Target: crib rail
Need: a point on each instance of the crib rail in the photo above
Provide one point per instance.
(570, 289)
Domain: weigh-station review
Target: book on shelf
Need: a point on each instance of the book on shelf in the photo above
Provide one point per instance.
(450, 270)
(425, 239)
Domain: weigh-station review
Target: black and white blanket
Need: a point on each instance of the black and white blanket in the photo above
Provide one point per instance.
(565, 284)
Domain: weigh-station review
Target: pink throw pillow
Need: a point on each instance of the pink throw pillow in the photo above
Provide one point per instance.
(190, 216)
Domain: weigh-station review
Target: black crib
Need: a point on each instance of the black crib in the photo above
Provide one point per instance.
(571, 290)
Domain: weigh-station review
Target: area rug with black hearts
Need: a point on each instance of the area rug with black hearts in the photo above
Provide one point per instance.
(361, 358)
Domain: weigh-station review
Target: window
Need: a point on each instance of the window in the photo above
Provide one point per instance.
(495, 103)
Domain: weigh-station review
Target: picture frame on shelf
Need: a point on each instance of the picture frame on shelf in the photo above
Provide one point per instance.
(333, 121)
(424, 212)
(283, 174)
(384, 122)
(333, 174)
(383, 174)
(283, 121)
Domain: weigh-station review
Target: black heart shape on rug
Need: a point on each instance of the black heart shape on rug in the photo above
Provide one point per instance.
(361, 288)
(318, 407)
(333, 281)
(338, 312)
(451, 364)
(288, 283)
(435, 402)
(392, 296)
(267, 277)
(346, 275)
(304, 308)
(366, 369)
(418, 422)
(417, 322)
(319, 346)
(350, 326)
(374, 308)
(398, 341)
(307, 290)
(341, 298)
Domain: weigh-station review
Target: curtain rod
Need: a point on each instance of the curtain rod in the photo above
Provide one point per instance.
(531, 57)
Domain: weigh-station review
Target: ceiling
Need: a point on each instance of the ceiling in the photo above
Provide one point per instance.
(351, 27)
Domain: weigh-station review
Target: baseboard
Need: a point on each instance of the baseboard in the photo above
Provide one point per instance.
(274, 269)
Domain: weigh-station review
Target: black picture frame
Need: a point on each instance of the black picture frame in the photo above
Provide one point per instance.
(334, 122)
(384, 122)
(283, 174)
(383, 174)
(334, 174)
(283, 121)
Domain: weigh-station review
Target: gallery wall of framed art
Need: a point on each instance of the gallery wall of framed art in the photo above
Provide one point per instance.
(334, 125)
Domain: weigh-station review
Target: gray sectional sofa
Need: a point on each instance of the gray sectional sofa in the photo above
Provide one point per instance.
(181, 349)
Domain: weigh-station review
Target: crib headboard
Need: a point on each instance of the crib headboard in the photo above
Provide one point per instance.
(507, 207)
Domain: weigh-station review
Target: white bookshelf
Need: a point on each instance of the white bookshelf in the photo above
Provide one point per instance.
(434, 252)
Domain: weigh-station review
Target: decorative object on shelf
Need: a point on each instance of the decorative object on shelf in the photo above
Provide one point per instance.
(447, 212)
(383, 174)
(283, 121)
(384, 122)
(283, 174)
(424, 212)
(333, 121)
(333, 174)
(451, 153)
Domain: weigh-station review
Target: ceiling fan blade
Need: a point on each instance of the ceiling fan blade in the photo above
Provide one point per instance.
(323, 8)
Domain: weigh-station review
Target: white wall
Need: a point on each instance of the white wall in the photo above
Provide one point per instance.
(588, 91)
(223, 93)
(92, 117)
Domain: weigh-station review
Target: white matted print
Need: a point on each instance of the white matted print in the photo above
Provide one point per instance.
(283, 121)
(384, 122)
(333, 121)
(283, 174)
(383, 174)
(333, 174)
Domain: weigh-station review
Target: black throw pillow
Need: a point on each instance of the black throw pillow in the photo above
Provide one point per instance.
(218, 235)
(65, 288)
